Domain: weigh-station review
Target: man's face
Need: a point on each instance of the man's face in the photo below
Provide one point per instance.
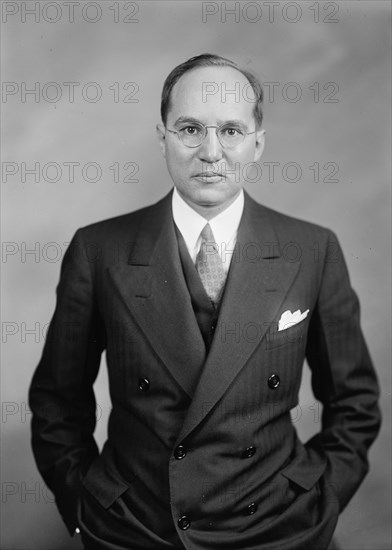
(209, 177)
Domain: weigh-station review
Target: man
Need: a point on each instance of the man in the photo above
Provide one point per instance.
(206, 319)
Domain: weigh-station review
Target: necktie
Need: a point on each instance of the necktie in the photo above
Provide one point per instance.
(209, 265)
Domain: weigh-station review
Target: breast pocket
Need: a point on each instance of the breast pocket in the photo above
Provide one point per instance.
(294, 335)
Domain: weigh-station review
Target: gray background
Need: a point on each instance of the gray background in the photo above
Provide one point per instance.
(353, 132)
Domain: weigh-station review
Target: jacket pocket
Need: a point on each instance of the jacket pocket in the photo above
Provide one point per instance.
(293, 335)
(304, 474)
(103, 483)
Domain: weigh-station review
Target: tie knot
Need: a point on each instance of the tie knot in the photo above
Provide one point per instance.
(207, 234)
(208, 239)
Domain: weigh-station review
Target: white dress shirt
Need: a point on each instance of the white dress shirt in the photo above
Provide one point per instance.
(224, 226)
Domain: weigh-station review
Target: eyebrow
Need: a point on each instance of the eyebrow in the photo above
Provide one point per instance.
(192, 120)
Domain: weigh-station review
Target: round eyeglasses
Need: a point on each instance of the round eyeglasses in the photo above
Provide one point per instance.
(193, 135)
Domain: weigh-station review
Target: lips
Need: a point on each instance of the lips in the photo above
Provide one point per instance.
(210, 178)
(210, 175)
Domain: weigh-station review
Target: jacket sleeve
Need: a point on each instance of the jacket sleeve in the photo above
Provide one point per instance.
(61, 395)
(343, 379)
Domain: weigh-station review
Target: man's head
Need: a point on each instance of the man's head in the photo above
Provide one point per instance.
(209, 90)
(211, 60)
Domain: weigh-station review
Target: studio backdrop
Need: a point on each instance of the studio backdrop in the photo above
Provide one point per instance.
(81, 84)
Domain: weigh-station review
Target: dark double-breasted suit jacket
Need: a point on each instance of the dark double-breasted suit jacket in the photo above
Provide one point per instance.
(201, 448)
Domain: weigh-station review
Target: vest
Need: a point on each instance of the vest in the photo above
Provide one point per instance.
(205, 313)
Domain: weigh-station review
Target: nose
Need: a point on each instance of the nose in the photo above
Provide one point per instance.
(210, 149)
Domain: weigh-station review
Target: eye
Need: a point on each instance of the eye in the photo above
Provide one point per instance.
(190, 130)
(231, 132)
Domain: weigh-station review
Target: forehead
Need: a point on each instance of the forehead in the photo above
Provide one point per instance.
(212, 95)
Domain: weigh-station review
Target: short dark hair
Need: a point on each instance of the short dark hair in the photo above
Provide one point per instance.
(210, 60)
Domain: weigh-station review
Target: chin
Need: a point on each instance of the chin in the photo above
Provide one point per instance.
(211, 196)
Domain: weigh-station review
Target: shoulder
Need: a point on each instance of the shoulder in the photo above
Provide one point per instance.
(291, 229)
(121, 227)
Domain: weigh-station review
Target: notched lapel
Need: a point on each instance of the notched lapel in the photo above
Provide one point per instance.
(154, 290)
(133, 281)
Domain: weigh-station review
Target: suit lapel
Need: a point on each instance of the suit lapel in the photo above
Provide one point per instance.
(153, 287)
(258, 281)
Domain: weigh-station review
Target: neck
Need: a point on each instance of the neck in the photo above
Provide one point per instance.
(209, 211)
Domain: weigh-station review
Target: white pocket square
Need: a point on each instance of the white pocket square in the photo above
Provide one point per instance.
(289, 319)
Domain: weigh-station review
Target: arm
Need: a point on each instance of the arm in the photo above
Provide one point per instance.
(343, 378)
(61, 395)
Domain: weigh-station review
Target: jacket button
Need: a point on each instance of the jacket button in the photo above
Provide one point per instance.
(273, 381)
(251, 508)
(184, 523)
(248, 452)
(144, 384)
(180, 452)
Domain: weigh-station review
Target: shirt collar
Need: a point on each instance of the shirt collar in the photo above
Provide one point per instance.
(224, 226)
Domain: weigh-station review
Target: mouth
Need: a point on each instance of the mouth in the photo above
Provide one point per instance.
(210, 176)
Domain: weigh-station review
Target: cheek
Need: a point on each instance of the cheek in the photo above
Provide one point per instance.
(177, 160)
(248, 154)
(242, 164)
(242, 156)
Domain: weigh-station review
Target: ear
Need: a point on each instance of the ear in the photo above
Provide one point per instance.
(260, 142)
(161, 133)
